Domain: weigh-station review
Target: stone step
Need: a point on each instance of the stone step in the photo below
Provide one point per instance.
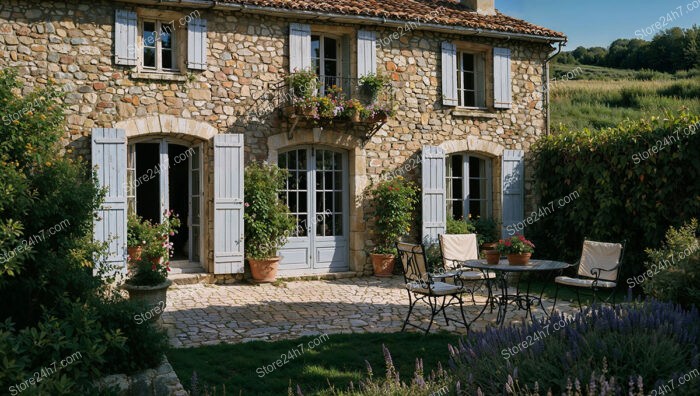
(190, 278)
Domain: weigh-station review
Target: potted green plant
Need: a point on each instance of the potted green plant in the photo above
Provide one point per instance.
(371, 85)
(394, 201)
(303, 85)
(377, 112)
(517, 249)
(137, 233)
(352, 109)
(267, 220)
(147, 278)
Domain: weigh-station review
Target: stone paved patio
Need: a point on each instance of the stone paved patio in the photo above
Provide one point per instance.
(205, 314)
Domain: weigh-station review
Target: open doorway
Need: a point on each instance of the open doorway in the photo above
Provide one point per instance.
(166, 176)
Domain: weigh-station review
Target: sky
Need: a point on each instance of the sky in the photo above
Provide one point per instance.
(592, 23)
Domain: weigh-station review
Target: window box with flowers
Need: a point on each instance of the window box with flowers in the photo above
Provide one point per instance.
(394, 202)
(517, 249)
(149, 259)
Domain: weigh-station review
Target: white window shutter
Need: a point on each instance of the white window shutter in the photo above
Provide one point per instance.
(449, 74)
(125, 38)
(433, 193)
(299, 47)
(197, 44)
(109, 156)
(502, 89)
(228, 204)
(512, 189)
(366, 53)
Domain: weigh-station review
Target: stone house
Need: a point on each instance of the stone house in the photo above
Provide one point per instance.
(171, 98)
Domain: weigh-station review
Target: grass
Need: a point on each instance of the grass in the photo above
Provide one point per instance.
(339, 359)
(593, 104)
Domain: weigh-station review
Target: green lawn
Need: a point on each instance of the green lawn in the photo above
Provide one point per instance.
(337, 360)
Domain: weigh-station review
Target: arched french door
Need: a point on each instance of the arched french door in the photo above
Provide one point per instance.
(316, 192)
(165, 174)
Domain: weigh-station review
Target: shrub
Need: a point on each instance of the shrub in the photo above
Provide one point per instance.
(626, 190)
(303, 83)
(267, 219)
(393, 201)
(654, 340)
(673, 270)
(460, 227)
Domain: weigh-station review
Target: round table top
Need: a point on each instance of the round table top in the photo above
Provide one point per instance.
(532, 265)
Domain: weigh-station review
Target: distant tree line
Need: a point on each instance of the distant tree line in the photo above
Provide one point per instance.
(669, 51)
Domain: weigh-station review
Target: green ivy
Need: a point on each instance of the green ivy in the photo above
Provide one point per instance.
(628, 190)
(393, 201)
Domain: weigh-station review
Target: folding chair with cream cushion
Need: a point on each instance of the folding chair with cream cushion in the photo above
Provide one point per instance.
(421, 286)
(598, 268)
(457, 248)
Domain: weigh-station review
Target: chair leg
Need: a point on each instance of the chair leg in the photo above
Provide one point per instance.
(444, 313)
(461, 310)
(556, 293)
(411, 303)
(433, 312)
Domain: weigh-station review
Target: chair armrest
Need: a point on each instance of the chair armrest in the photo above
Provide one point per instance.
(595, 271)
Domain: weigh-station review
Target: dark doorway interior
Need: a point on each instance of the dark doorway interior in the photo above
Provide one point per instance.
(148, 181)
(179, 197)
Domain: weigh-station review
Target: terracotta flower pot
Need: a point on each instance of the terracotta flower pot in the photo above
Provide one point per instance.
(519, 259)
(492, 256)
(309, 112)
(377, 118)
(383, 264)
(134, 253)
(155, 297)
(265, 270)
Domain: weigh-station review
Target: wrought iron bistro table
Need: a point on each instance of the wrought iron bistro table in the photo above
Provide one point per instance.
(523, 301)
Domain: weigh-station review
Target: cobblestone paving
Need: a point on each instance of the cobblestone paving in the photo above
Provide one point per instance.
(205, 314)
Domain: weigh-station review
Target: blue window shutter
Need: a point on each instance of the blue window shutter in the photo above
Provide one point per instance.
(512, 188)
(366, 53)
(197, 44)
(109, 158)
(502, 89)
(433, 193)
(125, 38)
(299, 47)
(228, 204)
(449, 74)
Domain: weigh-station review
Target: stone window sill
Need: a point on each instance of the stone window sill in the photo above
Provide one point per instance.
(474, 113)
(159, 76)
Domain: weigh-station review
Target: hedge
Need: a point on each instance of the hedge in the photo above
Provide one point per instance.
(631, 183)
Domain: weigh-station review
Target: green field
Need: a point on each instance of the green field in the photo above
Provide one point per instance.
(610, 96)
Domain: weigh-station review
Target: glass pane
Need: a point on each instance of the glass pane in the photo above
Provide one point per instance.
(475, 208)
(292, 202)
(468, 62)
(456, 166)
(330, 48)
(166, 37)
(328, 180)
(282, 160)
(338, 161)
(474, 189)
(469, 99)
(303, 202)
(475, 167)
(457, 209)
(301, 154)
(149, 57)
(167, 58)
(338, 204)
(293, 160)
(315, 47)
(330, 68)
(457, 189)
(195, 158)
(469, 81)
(195, 182)
(302, 180)
(338, 181)
(319, 203)
(195, 210)
(195, 244)
(328, 201)
(301, 228)
(149, 34)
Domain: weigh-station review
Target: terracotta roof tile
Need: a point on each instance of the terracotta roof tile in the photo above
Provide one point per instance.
(427, 11)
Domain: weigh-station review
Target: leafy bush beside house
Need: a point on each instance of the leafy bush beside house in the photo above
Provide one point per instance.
(628, 189)
(673, 270)
(53, 306)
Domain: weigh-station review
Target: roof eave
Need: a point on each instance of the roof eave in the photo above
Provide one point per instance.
(378, 21)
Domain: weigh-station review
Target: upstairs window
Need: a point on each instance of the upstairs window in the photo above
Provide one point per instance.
(159, 46)
(325, 59)
(470, 80)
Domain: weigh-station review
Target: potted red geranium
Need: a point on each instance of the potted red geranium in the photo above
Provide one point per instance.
(517, 249)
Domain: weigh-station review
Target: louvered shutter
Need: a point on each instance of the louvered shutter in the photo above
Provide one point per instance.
(512, 189)
(125, 36)
(449, 74)
(433, 193)
(109, 158)
(299, 47)
(366, 53)
(502, 89)
(197, 44)
(228, 204)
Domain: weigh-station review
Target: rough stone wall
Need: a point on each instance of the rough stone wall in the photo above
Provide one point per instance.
(71, 44)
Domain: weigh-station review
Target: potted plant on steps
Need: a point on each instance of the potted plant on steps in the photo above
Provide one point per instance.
(393, 202)
(267, 220)
(517, 249)
(147, 279)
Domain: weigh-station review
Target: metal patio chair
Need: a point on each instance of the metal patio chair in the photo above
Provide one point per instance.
(598, 268)
(421, 286)
(456, 249)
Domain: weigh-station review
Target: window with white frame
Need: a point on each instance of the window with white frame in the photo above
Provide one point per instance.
(159, 41)
(325, 59)
(471, 80)
(469, 184)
